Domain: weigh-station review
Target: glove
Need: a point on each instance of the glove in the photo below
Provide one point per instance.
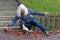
(46, 14)
(9, 25)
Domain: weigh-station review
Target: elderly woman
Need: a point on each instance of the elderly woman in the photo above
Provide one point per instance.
(25, 15)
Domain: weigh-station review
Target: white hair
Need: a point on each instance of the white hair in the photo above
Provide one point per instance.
(22, 6)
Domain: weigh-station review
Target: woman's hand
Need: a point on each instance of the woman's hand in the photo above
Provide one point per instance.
(46, 14)
(9, 25)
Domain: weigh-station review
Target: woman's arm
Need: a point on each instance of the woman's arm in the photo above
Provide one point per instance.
(33, 12)
(14, 20)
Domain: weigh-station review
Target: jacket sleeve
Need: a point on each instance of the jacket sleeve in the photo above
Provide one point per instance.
(14, 20)
(33, 12)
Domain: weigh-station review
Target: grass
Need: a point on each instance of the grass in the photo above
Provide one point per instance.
(53, 6)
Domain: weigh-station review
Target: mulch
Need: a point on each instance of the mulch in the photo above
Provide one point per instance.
(36, 33)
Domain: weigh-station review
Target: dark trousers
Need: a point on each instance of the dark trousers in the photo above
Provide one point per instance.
(38, 24)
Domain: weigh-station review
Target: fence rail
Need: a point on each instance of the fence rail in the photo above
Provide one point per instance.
(54, 21)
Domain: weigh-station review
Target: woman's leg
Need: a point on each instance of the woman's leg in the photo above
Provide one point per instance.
(38, 24)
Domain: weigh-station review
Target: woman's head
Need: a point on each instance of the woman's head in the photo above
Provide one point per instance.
(22, 10)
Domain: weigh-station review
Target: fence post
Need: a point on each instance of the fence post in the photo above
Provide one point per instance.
(42, 20)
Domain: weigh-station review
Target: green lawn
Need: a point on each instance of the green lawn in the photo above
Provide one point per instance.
(53, 6)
